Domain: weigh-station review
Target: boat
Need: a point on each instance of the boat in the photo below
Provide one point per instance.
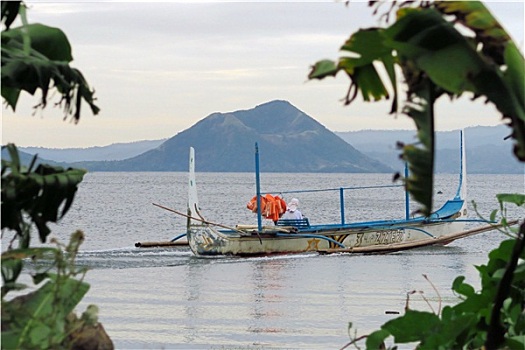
(443, 226)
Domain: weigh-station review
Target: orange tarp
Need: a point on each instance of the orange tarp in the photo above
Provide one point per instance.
(272, 207)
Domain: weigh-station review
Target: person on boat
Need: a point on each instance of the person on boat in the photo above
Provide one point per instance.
(292, 210)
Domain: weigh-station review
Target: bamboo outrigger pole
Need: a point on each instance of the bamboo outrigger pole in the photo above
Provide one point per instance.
(204, 221)
(198, 219)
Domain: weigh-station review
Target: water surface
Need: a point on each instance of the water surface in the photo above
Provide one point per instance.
(158, 298)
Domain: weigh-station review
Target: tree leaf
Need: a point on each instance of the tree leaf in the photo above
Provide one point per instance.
(11, 96)
(370, 84)
(323, 69)
(45, 304)
(412, 326)
(49, 41)
(515, 198)
(375, 340)
(462, 288)
(515, 342)
(46, 60)
(10, 12)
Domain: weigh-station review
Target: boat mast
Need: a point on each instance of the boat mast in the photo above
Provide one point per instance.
(462, 188)
(258, 188)
(407, 195)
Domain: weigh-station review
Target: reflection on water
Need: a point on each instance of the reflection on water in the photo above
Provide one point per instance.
(160, 298)
(169, 299)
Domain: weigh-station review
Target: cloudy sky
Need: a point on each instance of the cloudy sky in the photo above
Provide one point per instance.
(159, 67)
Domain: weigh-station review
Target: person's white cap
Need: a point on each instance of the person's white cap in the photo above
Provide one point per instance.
(293, 205)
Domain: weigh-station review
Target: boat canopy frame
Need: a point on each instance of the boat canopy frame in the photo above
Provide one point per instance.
(447, 210)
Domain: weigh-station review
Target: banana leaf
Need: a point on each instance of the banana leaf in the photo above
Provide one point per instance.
(31, 328)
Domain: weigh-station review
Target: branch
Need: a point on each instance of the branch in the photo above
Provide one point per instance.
(496, 332)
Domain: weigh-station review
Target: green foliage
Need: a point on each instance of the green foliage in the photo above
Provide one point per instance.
(38, 320)
(471, 323)
(32, 198)
(35, 56)
(44, 195)
(422, 43)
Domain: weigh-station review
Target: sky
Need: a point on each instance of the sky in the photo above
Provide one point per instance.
(159, 67)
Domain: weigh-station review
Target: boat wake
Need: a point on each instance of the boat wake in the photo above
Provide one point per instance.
(128, 257)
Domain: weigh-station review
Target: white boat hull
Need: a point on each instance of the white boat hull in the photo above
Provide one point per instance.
(443, 226)
(206, 240)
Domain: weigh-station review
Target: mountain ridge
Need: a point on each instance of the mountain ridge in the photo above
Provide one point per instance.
(114, 151)
(288, 140)
(486, 150)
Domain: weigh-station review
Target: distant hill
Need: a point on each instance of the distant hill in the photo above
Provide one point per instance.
(288, 139)
(27, 158)
(116, 151)
(487, 151)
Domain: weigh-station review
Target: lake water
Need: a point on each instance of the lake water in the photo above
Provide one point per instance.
(159, 298)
